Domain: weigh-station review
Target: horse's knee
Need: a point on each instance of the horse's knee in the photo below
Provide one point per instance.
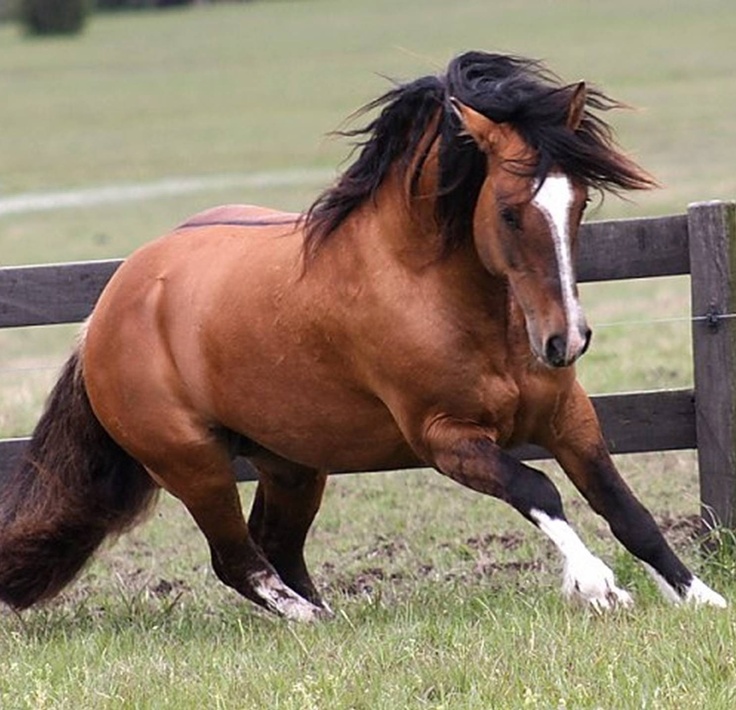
(535, 491)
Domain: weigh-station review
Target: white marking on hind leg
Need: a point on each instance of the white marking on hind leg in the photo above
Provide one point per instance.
(585, 576)
(698, 593)
(280, 599)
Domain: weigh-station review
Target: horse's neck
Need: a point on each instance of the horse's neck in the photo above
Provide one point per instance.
(402, 224)
(393, 233)
(395, 230)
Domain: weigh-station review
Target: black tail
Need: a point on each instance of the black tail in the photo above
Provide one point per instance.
(73, 488)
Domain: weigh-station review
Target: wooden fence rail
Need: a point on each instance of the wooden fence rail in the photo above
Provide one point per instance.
(701, 243)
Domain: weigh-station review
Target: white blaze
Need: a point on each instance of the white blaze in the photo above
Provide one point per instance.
(554, 200)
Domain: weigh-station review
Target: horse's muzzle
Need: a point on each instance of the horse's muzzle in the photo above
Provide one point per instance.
(560, 351)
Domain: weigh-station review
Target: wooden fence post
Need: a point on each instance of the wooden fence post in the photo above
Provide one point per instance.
(712, 244)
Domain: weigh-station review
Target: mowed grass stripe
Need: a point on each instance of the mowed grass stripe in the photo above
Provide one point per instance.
(112, 194)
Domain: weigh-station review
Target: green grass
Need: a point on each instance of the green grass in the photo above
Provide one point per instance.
(443, 598)
(477, 651)
(432, 610)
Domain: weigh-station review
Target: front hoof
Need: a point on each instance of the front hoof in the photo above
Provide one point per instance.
(700, 594)
(592, 582)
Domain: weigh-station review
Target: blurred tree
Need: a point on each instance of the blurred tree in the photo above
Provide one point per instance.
(9, 10)
(139, 4)
(54, 17)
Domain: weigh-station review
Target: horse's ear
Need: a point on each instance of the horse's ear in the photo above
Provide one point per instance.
(576, 109)
(479, 127)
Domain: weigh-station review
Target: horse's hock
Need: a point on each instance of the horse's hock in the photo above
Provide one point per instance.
(701, 243)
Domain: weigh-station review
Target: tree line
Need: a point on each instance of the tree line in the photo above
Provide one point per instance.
(68, 17)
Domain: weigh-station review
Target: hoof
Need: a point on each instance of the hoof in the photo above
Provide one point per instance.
(274, 595)
(302, 610)
(696, 593)
(585, 578)
(592, 582)
(700, 594)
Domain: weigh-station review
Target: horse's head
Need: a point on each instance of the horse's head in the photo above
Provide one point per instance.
(525, 229)
(509, 154)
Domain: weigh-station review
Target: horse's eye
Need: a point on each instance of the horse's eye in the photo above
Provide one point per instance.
(511, 217)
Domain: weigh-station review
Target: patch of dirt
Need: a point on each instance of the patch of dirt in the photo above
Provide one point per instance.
(384, 549)
(508, 541)
(364, 583)
(684, 523)
(386, 565)
(681, 529)
(166, 588)
(486, 567)
(479, 559)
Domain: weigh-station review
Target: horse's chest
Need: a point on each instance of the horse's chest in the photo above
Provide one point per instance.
(534, 408)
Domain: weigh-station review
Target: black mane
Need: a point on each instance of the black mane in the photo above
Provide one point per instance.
(504, 88)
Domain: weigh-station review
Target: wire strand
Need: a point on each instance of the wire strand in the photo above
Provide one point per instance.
(675, 319)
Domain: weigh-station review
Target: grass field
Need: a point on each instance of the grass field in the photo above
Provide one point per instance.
(443, 599)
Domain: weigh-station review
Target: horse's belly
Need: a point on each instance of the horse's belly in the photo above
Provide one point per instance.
(315, 422)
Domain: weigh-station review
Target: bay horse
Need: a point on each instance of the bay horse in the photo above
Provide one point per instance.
(423, 312)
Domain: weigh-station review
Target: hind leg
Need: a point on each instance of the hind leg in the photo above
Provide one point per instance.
(286, 502)
(202, 478)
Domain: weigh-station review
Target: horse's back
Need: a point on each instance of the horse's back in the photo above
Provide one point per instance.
(247, 216)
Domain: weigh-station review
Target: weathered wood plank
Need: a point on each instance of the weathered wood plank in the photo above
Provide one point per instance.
(713, 286)
(633, 248)
(10, 452)
(662, 420)
(618, 249)
(53, 293)
(641, 421)
(650, 421)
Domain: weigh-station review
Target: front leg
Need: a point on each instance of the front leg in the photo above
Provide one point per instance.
(576, 442)
(468, 454)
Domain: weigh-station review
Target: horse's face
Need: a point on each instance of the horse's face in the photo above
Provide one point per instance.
(525, 232)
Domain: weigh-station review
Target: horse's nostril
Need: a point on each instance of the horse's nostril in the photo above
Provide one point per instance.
(555, 351)
(588, 334)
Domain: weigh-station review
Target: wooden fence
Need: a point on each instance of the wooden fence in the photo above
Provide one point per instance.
(701, 243)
